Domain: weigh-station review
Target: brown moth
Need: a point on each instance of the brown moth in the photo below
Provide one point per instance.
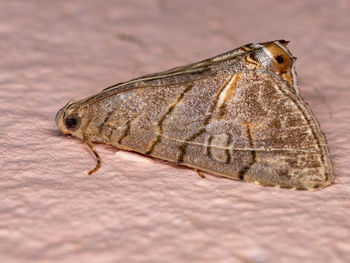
(238, 115)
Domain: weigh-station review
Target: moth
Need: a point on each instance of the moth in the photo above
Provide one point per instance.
(237, 115)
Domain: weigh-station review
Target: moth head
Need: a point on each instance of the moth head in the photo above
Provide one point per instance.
(68, 120)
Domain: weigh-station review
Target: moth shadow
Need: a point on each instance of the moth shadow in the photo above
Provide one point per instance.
(181, 167)
(155, 159)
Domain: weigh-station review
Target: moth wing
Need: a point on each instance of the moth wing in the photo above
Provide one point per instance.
(249, 127)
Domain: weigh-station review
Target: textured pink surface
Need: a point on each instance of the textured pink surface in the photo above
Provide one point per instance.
(140, 209)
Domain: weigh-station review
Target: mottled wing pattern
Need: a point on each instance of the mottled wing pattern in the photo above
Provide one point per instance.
(261, 133)
(237, 115)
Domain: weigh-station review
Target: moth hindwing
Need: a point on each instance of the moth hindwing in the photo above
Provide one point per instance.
(237, 115)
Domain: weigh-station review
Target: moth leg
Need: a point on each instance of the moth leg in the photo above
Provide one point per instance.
(200, 173)
(98, 158)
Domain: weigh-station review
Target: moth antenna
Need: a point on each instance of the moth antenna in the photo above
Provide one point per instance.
(98, 158)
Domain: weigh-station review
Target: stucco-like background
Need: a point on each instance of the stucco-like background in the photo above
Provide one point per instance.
(138, 209)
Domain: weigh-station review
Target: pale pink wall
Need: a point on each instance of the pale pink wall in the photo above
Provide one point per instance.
(136, 208)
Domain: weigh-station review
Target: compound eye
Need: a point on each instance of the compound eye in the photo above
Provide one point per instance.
(72, 122)
(279, 59)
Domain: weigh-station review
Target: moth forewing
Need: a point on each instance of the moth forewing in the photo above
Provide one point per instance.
(237, 115)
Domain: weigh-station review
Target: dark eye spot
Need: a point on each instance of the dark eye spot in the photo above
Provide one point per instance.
(72, 122)
(279, 59)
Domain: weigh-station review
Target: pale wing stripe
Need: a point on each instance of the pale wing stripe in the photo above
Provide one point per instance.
(239, 148)
(224, 92)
